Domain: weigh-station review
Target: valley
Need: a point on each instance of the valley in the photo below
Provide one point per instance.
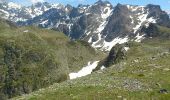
(89, 52)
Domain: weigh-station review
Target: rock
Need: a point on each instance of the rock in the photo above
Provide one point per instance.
(163, 91)
(116, 55)
(153, 58)
(136, 61)
(119, 96)
(166, 69)
(158, 84)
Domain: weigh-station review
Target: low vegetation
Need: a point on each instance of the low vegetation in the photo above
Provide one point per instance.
(143, 75)
(32, 58)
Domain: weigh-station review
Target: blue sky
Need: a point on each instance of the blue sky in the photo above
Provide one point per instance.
(165, 4)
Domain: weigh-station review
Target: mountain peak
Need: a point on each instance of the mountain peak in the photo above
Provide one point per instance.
(39, 4)
(14, 5)
(101, 2)
(152, 6)
(120, 7)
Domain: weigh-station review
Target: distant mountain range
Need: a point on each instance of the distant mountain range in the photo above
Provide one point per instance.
(101, 24)
(16, 12)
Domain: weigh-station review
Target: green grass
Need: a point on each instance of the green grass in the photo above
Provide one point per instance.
(140, 77)
(38, 58)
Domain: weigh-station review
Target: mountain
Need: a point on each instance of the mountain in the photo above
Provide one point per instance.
(32, 58)
(15, 12)
(100, 24)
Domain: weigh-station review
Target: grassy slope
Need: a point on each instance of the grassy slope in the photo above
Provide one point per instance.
(37, 58)
(140, 77)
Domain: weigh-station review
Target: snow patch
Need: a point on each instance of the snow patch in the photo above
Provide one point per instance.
(102, 68)
(107, 46)
(132, 22)
(25, 31)
(150, 20)
(44, 22)
(20, 19)
(126, 48)
(128, 6)
(139, 37)
(90, 40)
(84, 71)
(87, 33)
(141, 15)
(97, 44)
(14, 5)
(106, 12)
(55, 5)
(142, 18)
(101, 27)
(6, 14)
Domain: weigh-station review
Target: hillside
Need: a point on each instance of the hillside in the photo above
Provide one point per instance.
(32, 58)
(101, 51)
(142, 75)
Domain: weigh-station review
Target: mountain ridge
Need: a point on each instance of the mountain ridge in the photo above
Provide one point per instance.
(101, 24)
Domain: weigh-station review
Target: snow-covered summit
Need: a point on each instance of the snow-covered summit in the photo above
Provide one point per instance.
(12, 5)
(16, 12)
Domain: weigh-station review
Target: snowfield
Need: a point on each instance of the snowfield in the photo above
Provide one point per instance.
(84, 71)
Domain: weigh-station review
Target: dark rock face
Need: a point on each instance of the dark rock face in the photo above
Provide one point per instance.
(63, 28)
(151, 31)
(74, 12)
(155, 30)
(79, 27)
(118, 23)
(156, 12)
(163, 91)
(116, 54)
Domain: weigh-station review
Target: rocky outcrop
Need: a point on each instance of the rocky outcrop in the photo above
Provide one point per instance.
(116, 55)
